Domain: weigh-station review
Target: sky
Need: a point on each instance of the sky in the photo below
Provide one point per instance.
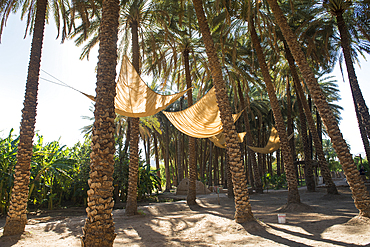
(60, 109)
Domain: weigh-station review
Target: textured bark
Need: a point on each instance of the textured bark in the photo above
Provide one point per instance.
(190, 199)
(17, 214)
(131, 206)
(256, 174)
(99, 226)
(330, 185)
(362, 112)
(359, 192)
(167, 158)
(308, 171)
(243, 210)
(156, 154)
(180, 151)
(230, 189)
(293, 194)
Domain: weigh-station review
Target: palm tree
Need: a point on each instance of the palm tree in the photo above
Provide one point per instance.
(331, 188)
(177, 43)
(243, 210)
(99, 226)
(293, 194)
(37, 13)
(359, 191)
(338, 8)
(134, 18)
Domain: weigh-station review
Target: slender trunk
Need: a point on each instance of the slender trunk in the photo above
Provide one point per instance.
(156, 154)
(256, 173)
(167, 158)
(180, 159)
(210, 182)
(17, 214)
(201, 163)
(243, 210)
(230, 189)
(360, 194)
(222, 166)
(131, 206)
(215, 170)
(99, 226)
(128, 136)
(278, 165)
(362, 112)
(308, 171)
(293, 194)
(331, 188)
(290, 129)
(190, 199)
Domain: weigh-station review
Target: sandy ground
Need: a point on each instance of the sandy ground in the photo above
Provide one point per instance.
(330, 223)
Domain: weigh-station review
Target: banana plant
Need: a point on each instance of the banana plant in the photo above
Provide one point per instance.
(8, 152)
(50, 168)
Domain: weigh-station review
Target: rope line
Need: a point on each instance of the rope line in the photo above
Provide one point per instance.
(61, 82)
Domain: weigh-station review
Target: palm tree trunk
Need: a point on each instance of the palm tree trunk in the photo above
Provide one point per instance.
(131, 206)
(190, 199)
(257, 175)
(17, 214)
(290, 130)
(99, 226)
(362, 112)
(156, 156)
(167, 158)
(230, 187)
(359, 191)
(308, 171)
(330, 185)
(243, 210)
(293, 194)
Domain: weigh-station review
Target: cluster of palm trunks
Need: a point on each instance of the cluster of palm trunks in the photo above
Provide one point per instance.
(99, 226)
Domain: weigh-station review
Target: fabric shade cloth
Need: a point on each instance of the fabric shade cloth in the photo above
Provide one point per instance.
(272, 145)
(201, 120)
(134, 98)
(219, 140)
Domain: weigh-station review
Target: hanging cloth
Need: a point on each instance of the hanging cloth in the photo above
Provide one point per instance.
(272, 145)
(219, 140)
(134, 98)
(201, 120)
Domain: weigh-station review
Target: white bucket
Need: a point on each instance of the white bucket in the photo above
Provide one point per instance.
(281, 218)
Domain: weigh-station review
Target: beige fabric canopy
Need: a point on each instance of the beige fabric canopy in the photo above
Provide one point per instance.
(219, 140)
(134, 98)
(272, 145)
(201, 120)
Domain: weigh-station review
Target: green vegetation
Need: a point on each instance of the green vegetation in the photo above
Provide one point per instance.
(59, 174)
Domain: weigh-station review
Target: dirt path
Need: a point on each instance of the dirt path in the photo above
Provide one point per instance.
(211, 224)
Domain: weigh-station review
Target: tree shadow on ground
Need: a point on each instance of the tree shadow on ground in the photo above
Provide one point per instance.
(315, 237)
(7, 241)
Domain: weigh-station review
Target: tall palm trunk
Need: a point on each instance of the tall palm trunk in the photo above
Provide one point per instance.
(17, 214)
(190, 199)
(156, 156)
(360, 194)
(362, 112)
(330, 185)
(243, 210)
(308, 171)
(252, 155)
(293, 194)
(131, 207)
(99, 226)
(167, 158)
